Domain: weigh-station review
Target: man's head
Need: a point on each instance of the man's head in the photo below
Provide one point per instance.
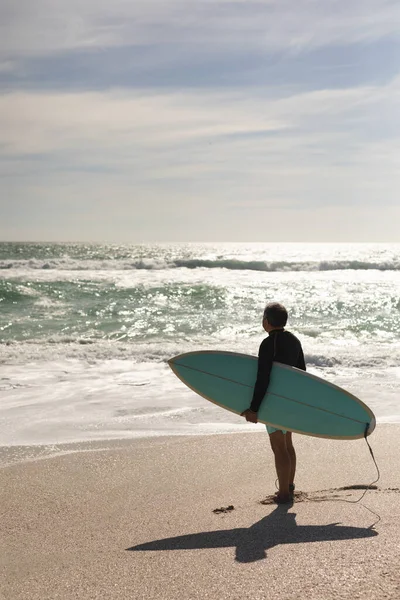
(275, 317)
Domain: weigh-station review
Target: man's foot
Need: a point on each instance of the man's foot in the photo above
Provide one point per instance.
(280, 499)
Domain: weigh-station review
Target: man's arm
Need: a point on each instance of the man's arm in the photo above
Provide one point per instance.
(265, 359)
(301, 362)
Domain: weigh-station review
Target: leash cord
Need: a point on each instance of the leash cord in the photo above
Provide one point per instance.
(366, 489)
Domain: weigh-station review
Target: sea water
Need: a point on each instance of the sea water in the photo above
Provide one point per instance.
(86, 330)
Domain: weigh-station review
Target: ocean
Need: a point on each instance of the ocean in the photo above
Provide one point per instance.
(86, 330)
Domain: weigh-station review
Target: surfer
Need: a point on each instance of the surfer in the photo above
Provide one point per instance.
(284, 347)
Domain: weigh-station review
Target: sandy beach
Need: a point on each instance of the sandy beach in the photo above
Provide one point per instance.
(136, 521)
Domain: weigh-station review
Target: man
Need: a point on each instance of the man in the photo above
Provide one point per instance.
(280, 346)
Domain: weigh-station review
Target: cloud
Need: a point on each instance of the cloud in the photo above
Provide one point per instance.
(330, 146)
(173, 66)
(88, 45)
(142, 117)
(34, 123)
(40, 123)
(47, 26)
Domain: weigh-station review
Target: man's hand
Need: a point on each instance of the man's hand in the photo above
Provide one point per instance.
(250, 415)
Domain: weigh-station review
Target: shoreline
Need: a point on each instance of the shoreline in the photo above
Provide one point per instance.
(24, 453)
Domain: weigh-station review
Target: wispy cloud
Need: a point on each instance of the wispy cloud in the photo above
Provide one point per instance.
(47, 26)
(35, 123)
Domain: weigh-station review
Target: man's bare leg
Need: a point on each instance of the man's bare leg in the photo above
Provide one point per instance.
(282, 462)
(292, 454)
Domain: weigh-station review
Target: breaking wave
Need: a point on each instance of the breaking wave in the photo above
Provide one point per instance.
(68, 264)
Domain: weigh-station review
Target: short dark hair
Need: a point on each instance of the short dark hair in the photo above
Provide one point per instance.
(276, 314)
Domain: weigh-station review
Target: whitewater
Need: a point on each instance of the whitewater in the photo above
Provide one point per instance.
(86, 330)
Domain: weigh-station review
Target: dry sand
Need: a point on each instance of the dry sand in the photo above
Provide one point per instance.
(136, 521)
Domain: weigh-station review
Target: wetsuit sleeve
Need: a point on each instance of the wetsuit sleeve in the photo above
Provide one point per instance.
(265, 360)
(301, 362)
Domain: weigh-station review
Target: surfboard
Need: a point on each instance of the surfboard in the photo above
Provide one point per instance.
(295, 400)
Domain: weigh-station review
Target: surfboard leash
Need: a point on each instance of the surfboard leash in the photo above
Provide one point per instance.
(376, 480)
(369, 486)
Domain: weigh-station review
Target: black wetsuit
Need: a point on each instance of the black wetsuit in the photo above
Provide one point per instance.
(280, 346)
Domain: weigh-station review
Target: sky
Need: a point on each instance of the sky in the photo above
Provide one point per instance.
(223, 120)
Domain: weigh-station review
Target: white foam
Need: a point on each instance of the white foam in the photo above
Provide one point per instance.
(71, 400)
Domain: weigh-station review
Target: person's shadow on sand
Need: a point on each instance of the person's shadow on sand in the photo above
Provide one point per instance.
(251, 543)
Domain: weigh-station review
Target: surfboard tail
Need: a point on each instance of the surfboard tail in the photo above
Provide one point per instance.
(371, 426)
